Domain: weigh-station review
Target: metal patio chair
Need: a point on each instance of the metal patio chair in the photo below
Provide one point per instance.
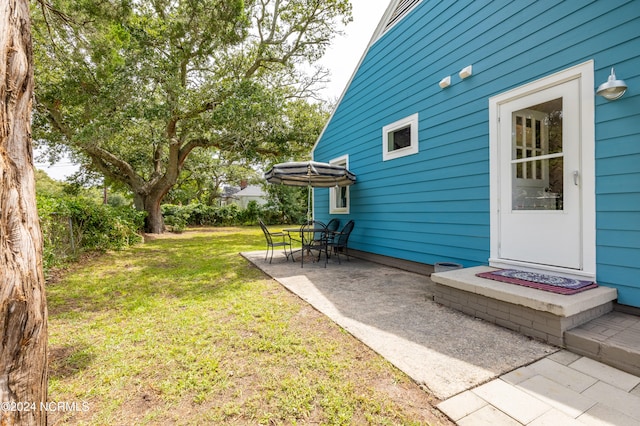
(313, 235)
(333, 225)
(340, 241)
(271, 244)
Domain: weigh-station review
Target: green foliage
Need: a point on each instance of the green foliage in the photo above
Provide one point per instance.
(118, 200)
(75, 224)
(251, 214)
(101, 227)
(288, 204)
(178, 218)
(45, 185)
(226, 215)
(203, 176)
(58, 243)
(132, 89)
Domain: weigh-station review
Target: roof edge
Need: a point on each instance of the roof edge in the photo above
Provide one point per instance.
(380, 29)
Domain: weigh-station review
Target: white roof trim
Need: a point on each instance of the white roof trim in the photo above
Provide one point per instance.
(403, 8)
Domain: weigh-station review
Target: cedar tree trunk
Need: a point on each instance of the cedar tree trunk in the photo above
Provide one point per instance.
(23, 310)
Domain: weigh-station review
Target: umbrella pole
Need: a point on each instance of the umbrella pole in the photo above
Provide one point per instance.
(309, 193)
(308, 203)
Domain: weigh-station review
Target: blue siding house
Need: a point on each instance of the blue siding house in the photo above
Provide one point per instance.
(477, 137)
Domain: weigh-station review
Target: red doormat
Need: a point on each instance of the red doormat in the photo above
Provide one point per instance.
(552, 283)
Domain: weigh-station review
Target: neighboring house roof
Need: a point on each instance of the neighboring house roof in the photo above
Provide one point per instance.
(251, 191)
(229, 191)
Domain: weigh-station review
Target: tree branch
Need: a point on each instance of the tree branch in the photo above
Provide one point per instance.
(106, 161)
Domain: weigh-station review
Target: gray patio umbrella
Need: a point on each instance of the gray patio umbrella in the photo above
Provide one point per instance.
(310, 174)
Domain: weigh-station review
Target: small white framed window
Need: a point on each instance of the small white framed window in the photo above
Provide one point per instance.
(339, 195)
(400, 138)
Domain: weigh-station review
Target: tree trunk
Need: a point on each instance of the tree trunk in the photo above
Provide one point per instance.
(23, 310)
(150, 203)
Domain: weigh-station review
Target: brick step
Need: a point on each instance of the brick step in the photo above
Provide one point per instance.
(613, 339)
(531, 312)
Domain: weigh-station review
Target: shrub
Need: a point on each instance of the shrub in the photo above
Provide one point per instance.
(286, 204)
(249, 216)
(178, 217)
(58, 243)
(227, 215)
(72, 225)
(175, 217)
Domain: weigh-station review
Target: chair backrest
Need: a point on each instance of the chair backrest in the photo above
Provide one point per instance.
(343, 237)
(267, 235)
(309, 232)
(333, 224)
(322, 234)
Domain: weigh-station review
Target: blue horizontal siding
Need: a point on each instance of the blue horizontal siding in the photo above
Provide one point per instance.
(434, 205)
(618, 221)
(621, 277)
(618, 165)
(620, 202)
(619, 238)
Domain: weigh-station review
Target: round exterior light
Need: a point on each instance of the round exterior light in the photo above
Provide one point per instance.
(613, 89)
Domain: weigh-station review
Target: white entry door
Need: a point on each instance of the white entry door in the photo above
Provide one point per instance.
(540, 209)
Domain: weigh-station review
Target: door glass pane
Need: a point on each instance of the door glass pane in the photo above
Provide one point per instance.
(537, 157)
(528, 194)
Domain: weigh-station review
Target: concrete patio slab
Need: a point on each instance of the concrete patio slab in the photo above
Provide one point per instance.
(511, 400)
(392, 311)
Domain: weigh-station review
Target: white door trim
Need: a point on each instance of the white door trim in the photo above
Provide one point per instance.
(584, 74)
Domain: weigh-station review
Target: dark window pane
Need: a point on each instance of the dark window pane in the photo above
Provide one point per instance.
(400, 138)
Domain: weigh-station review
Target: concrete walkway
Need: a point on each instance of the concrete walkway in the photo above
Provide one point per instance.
(562, 389)
(482, 373)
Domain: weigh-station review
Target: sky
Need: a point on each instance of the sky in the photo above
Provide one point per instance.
(341, 59)
(345, 53)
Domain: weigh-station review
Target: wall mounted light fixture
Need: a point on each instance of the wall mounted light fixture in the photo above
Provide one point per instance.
(466, 72)
(445, 82)
(613, 89)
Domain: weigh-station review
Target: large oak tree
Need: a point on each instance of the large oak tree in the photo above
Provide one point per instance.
(23, 311)
(131, 88)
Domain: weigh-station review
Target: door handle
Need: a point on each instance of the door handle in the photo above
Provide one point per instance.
(576, 176)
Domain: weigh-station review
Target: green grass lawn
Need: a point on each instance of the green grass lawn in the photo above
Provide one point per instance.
(183, 330)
